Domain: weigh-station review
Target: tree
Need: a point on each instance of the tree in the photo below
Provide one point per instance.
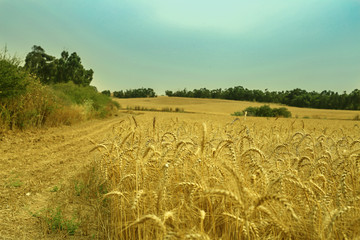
(135, 93)
(119, 94)
(355, 99)
(41, 64)
(169, 93)
(51, 70)
(106, 92)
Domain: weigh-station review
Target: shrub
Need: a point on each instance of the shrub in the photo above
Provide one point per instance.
(54, 105)
(238, 114)
(26, 103)
(29, 109)
(264, 111)
(95, 104)
(13, 80)
(281, 112)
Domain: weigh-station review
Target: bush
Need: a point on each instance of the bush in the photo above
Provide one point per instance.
(95, 104)
(30, 109)
(26, 103)
(238, 114)
(13, 80)
(264, 111)
(281, 112)
(54, 105)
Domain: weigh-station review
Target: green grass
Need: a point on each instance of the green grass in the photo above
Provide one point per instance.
(79, 187)
(55, 221)
(14, 182)
(95, 103)
(54, 189)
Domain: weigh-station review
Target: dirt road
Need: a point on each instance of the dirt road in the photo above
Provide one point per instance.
(34, 164)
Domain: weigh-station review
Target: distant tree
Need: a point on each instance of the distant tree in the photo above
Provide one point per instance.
(296, 97)
(119, 94)
(135, 93)
(354, 98)
(169, 93)
(106, 92)
(216, 93)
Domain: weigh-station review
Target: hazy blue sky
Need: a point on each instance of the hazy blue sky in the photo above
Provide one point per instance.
(173, 44)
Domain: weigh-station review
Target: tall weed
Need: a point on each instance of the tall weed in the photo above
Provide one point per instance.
(94, 103)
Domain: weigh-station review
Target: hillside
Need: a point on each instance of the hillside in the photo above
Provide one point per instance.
(227, 107)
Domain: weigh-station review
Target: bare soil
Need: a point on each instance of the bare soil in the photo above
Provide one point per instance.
(34, 164)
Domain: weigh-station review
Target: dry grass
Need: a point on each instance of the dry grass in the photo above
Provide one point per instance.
(170, 176)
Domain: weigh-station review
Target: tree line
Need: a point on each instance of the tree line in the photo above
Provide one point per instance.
(68, 68)
(134, 93)
(297, 97)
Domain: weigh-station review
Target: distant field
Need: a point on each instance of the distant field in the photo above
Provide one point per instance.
(227, 107)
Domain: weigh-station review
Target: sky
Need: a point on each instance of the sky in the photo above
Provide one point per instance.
(176, 44)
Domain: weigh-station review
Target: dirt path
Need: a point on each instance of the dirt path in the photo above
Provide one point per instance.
(34, 162)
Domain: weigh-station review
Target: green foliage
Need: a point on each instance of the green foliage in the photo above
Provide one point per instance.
(55, 221)
(64, 103)
(26, 102)
(54, 189)
(29, 109)
(51, 70)
(281, 112)
(95, 103)
(265, 111)
(106, 93)
(13, 181)
(296, 97)
(238, 114)
(135, 93)
(79, 187)
(13, 80)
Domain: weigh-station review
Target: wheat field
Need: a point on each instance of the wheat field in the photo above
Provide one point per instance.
(227, 107)
(183, 176)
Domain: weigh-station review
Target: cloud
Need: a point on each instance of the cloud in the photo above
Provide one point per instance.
(229, 16)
